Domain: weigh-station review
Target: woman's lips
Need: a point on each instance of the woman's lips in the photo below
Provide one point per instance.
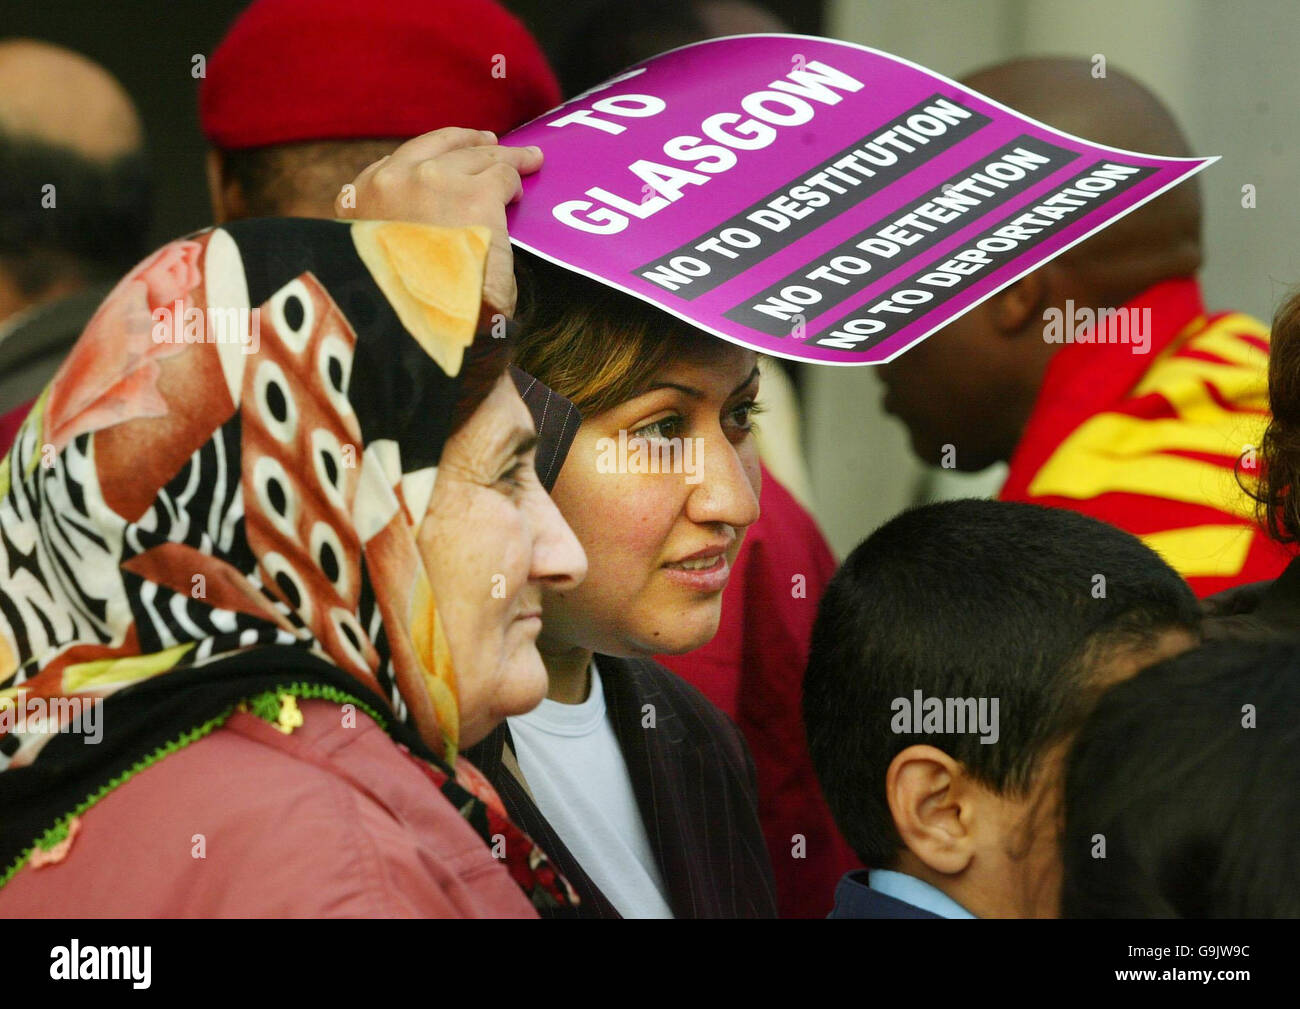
(706, 574)
(529, 627)
(529, 620)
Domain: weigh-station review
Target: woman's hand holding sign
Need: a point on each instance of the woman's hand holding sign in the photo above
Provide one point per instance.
(452, 177)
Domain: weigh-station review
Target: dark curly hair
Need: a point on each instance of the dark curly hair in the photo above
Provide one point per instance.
(1277, 506)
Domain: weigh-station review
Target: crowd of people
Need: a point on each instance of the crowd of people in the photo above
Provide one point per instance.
(359, 624)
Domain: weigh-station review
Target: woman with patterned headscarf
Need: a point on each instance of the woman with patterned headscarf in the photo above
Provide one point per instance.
(271, 551)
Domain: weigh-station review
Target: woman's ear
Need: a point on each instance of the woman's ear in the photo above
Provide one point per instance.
(932, 803)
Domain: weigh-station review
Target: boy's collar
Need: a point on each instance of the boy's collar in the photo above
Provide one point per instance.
(916, 892)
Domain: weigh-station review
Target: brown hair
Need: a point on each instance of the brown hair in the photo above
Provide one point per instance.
(1277, 506)
(485, 362)
(595, 345)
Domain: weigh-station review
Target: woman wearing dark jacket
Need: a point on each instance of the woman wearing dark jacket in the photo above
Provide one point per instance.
(641, 790)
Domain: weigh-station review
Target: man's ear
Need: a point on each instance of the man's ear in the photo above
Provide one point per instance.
(224, 193)
(933, 807)
(1020, 304)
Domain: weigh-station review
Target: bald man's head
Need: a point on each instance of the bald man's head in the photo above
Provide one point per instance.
(974, 384)
(1155, 242)
(74, 191)
(58, 97)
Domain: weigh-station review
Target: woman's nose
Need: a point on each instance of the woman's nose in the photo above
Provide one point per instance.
(558, 557)
(729, 484)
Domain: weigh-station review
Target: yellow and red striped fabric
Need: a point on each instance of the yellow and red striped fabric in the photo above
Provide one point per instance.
(1152, 442)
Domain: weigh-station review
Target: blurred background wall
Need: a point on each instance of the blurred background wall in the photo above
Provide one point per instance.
(1227, 71)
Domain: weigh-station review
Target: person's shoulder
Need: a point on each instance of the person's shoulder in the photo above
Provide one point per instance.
(654, 684)
(1240, 324)
(855, 898)
(648, 676)
(405, 850)
(1257, 611)
(1235, 338)
(1227, 349)
(332, 819)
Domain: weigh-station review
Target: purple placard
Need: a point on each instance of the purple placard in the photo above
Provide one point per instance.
(813, 199)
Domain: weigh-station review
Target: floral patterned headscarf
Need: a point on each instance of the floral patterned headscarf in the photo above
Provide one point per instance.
(215, 503)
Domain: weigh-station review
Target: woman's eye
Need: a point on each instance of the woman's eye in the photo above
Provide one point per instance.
(742, 416)
(662, 429)
(514, 476)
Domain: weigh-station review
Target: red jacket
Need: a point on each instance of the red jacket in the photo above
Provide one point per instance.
(1151, 442)
(328, 821)
(753, 670)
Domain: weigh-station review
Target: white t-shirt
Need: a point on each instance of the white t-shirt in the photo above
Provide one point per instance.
(573, 765)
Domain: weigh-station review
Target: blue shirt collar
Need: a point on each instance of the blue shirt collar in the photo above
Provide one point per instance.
(916, 892)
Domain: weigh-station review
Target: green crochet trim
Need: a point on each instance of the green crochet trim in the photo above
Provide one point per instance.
(265, 705)
(59, 831)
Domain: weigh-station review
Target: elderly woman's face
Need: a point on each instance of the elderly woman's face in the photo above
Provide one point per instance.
(492, 538)
(660, 544)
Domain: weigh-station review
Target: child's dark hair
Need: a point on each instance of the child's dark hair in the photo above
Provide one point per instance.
(972, 599)
(1189, 774)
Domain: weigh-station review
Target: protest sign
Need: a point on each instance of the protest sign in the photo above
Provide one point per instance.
(813, 199)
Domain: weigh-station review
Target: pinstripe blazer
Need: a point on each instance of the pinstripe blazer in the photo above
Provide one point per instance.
(694, 783)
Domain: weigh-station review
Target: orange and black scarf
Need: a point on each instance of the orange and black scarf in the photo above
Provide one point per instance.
(214, 504)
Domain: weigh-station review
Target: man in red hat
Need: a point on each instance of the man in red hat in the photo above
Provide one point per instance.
(302, 95)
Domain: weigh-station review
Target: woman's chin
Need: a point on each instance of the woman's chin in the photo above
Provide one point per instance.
(521, 685)
(691, 630)
(525, 684)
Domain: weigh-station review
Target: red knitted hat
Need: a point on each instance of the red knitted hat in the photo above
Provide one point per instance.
(293, 70)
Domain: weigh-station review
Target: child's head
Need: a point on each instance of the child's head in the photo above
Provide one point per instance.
(1182, 791)
(954, 652)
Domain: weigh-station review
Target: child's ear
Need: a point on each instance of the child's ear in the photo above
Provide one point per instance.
(933, 805)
